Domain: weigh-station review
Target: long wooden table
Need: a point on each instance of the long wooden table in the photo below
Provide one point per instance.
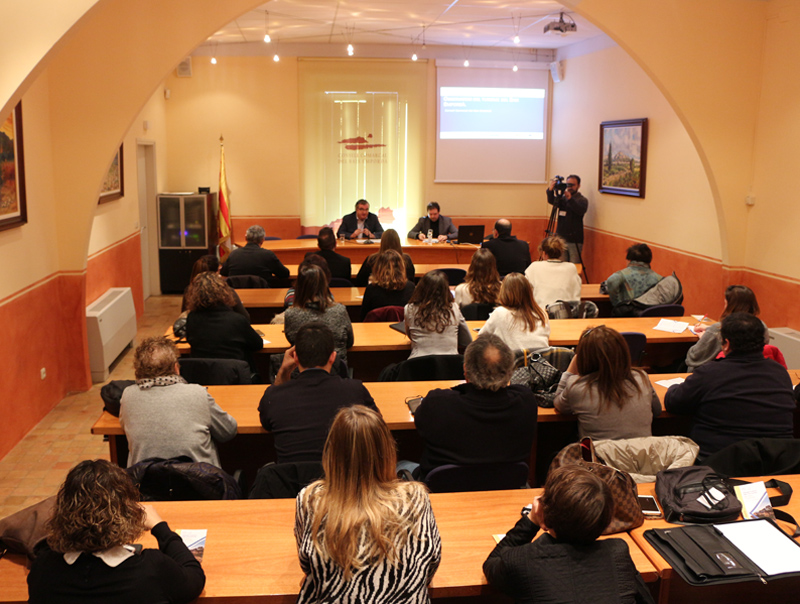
(251, 553)
(420, 270)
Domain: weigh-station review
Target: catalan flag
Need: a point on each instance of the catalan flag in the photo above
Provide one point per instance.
(223, 213)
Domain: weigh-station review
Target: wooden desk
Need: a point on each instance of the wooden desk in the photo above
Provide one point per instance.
(419, 269)
(251, 553)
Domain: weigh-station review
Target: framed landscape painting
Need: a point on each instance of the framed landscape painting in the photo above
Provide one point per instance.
(114, 183)
(13, 208)
(623, 157)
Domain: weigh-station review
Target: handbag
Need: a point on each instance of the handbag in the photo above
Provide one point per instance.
(23, 531)
(627, 513)
(179, 326)
(696, 494)
(531, 370)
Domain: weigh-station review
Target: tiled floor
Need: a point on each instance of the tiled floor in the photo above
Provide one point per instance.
(36, 467)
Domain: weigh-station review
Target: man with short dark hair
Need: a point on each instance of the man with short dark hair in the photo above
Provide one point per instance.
(624, 286)
(252, 259)
(339, 265)
(441, 227)
(571, 208)
(743, 395)
(512, 255)
(299, 411)
(482, 421)
(361, 224)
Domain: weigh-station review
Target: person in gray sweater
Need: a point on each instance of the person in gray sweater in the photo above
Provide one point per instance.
(165, 417)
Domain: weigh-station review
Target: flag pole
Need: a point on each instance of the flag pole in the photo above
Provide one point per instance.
(223, 211)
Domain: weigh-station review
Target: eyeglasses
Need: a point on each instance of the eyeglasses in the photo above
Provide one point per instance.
(589, 330)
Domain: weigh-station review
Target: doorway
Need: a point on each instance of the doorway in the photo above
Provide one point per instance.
(146, 185)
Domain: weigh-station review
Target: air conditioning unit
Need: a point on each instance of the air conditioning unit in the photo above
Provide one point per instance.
(111, 327)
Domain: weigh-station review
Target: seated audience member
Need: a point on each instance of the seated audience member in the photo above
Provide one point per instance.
(389, 241)
(89, 556)
(482, 282)
(213, 329)
(361, 224)
(741, 396)
(482, 421)
(434, 323)
(513, 255)
(362, 534)
(389, 286)
(312, 302)
(252, 259)
(441, 226)
(552, 279)
(339, 265)
(210, 263)
(299, 412)
(310, 259)
(568, 563)
(518, 321)
(738, 298)
(610, 398)
(165, 417)
(624, 286)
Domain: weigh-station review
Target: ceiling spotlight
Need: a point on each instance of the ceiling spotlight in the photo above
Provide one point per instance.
(466, 62)
(414, 57)
(516, 39)
(515, 68)
(350, 50)
(276, 58)
(267, 38)
(213, 60)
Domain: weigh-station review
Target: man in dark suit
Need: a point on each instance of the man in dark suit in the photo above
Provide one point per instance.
(441, 226)
(361, 224)
(512, 255)
(299, 411)
(253, 260)
(340, 265)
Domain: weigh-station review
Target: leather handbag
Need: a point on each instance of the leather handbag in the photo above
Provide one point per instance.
(627, 513)
(23, 531)
(531, 370)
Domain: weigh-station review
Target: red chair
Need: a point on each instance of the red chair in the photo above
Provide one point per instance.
(386, 313)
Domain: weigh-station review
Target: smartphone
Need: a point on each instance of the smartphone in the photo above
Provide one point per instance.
(650, 506)
(413, 403)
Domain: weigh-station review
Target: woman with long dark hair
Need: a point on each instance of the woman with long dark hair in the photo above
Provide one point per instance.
(389, 286)
(362, 534)
(390, 240)
(611, 399)
(482, 282)
(89, 555)
(518, 321)
(434, 322)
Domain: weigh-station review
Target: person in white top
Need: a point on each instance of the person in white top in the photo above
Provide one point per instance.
(519, 321)
(552, 279)
(482, 282)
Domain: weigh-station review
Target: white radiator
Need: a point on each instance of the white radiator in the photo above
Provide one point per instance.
(788, 341)
(111, 327)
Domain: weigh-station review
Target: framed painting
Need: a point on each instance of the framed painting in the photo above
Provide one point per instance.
(13, 204)
(114, 183)
(623, 157)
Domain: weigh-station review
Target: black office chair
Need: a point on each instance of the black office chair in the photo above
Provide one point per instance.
(454, 275)
(181, 479)
(431, 367)
(477, 311)
(636, 342)
(453, 478)
(307, 237)
(663, 310)
(247, 282)
(215, 372)
(757, 457)
(285, 480)
(271, 238)
(340, 282)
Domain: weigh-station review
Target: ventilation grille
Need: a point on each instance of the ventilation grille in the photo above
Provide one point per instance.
(185, 68)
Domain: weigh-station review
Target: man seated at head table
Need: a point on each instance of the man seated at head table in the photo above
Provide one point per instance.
(253, 260)
(740, 396)
(513, 255)
(361, 224)
(299, 411)
(441, 227)
(340, 266)
(483, 421)
(624, 286)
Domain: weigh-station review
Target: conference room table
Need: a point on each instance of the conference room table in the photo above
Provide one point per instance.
(251, 553)
(420, 270)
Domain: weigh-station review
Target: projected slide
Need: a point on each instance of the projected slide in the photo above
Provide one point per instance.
(491, 113)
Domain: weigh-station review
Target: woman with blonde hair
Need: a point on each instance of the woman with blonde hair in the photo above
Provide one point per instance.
(552, 279)
(434, 322)
(89, 555)
(482, 282)
(390, 240)
(611, 399)
(362, 534)
(518, 321)
(389, 286)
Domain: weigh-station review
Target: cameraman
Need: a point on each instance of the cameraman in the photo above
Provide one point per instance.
(571, 208)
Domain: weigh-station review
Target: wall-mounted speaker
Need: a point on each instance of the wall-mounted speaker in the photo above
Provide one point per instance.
(557, 70)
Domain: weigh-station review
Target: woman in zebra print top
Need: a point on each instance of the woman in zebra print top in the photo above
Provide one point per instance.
(363, 535)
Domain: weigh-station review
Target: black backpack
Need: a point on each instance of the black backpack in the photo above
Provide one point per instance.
(679, 490)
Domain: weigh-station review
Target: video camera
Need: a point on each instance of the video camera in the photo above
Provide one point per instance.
(560, 186)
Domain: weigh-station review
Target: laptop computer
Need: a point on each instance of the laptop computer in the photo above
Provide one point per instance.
(470, 234)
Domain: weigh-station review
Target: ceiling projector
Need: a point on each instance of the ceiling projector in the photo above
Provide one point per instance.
(561, 27)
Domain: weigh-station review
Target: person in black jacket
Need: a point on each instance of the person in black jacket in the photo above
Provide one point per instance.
(512, 254)
(89, 556)
(361, 224)
(340, 266)
(567, 564)
(571, 206)
(389, 286)
(252, 259)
